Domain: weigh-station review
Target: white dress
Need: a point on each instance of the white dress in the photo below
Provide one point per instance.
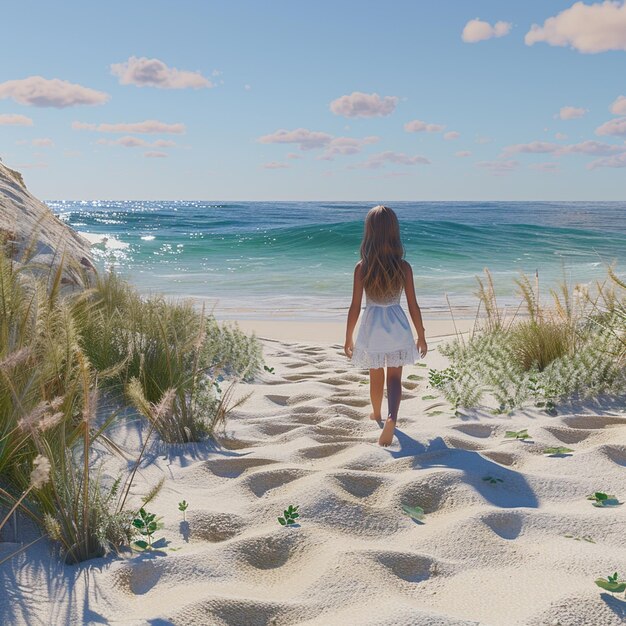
(385, 337)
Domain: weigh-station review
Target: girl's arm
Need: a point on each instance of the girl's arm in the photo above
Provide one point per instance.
(414, 309)
(354, 311)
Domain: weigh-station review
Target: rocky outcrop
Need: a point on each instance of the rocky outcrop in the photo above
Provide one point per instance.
(29, 229)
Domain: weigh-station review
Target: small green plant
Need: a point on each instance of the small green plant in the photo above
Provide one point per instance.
(183, 506)
(269, 370)
(363, 382)
(611, 583)
(517, 434)
(290, 516)
(602, 499)
(414, 377)
(421, 365)
(429, 397)
(557, 450)
(434, 413)
(586, 538)
(439, 378)
(414, 512)
(492, 480)
(146, 524)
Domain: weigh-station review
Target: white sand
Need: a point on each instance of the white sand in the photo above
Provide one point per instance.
(485, 554)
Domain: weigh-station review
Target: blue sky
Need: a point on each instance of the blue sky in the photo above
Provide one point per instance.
(248, 70)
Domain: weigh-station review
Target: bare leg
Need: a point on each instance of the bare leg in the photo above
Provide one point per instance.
(394, 395)
(377, 388)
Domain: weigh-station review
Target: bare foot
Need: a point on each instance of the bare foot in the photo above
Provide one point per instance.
(386, 437)
(376, 418)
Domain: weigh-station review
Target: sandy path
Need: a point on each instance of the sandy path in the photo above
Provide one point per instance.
(485, 554)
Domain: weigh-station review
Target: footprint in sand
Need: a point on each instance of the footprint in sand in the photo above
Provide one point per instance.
(359, 485)
(138, 578)
(408, 566)
(568, 435)
(594, 421)
(272, 428)
(262, 482)
(323, 450)
(462, 444)
(235, 466)
(231, 611)
(505, 524)
(616, 453)
(349, 401)
(213, 527)
(502, 458)
(271, 552)
(476, 430)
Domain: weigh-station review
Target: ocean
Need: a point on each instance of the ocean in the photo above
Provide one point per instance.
(296, 259)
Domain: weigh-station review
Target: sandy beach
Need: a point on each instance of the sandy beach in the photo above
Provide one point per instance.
(521, 552)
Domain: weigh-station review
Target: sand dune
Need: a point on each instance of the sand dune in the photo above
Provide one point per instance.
(489, 554)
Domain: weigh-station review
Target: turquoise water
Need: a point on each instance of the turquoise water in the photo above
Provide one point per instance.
(248, 259)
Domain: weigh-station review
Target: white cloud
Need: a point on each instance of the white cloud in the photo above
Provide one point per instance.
(417, 126)
(149, 127)
(359, 104)
(155, 155)
(499, 168)
(345, 146)
(477, 30)
(543, 147)
(463, 153)
(618, 160)
(534, 147)
(136, 142)
(377, 161)
(613, 127)
(275, 165)
(13, 119)
(572, 113)
(590, 147)
(619, 106)
(42, 92)
(593, 28)
(453, 134)
(145, 72)
(304, 138)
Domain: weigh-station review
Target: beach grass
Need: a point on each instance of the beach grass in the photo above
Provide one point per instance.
(542, 354)
(60, 347)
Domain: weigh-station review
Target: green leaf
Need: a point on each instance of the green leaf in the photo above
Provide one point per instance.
(282, 521)
(414, 377)
(429, 397)
(137, 523)
(416, 512)
(613, 587)
(600, 495)
(557, 450)
(421, 365)
(295, 515)
(140, 543)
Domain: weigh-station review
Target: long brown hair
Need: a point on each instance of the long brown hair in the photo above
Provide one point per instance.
(381, 254)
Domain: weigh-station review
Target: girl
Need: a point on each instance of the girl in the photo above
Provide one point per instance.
(385, 337)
